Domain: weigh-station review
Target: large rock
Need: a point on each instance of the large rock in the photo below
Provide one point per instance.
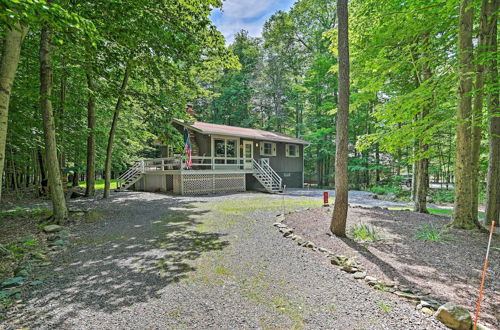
(454, 316)
(52, 228)
(359, 275)
(407, 295)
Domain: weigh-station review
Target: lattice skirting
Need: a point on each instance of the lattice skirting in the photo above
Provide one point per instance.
(198, 184)
(169, 182)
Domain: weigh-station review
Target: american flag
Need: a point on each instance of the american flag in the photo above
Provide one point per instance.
(187, 149)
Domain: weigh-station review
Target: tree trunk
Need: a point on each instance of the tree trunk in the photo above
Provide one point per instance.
(422, 183)
(43, 177)
(491, 68)
(477, 111)
(11, 52)
(60, 117)
(75, 179)
(91, 123)
(414, 175)
(60, 211)
(338, 225)
(462, 215)
(112, 131)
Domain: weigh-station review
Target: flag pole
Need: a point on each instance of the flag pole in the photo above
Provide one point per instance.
(478, 306)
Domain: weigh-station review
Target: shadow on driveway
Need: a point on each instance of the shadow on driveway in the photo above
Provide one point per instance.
(144, 243)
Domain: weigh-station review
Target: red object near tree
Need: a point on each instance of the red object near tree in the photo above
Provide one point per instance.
(325, 198)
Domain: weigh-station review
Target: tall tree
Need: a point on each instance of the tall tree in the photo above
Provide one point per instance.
(338, 225)
(91, 126)
(493, 104)
(421, 183)
(477, 108)
(112, 131)
(462, 213)
(11, 51)
(60, 211)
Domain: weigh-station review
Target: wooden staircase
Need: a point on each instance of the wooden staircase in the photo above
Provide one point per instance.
(131, 176)
(267, 177)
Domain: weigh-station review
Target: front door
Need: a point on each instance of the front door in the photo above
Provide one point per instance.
(247, 154)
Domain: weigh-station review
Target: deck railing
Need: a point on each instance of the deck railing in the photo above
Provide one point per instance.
(197, 163)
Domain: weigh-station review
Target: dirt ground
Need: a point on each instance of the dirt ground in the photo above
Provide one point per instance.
(448, 270)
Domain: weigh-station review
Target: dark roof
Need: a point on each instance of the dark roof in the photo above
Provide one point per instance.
(216, 129)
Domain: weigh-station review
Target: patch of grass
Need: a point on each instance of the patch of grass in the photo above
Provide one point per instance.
(93, 216)
(18, 252)
(440, 211)
(432, 233)
(99, 184)
(380, 287)
(293, 311)
(253, 204)
(222, 271)
(385, 190)
(12, 213)
(400, 208)
(37, 213)
(431, 210)
(385, 307)
(365, 233)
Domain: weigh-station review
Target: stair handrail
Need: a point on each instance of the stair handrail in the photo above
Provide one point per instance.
(268, 172)
(260, 170)
(132, 171)
(272, 173)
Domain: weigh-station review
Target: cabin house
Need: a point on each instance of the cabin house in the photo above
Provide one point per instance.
(223, 159)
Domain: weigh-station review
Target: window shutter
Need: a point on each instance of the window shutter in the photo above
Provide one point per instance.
(287, 149)
(261, 148)
(274, 149)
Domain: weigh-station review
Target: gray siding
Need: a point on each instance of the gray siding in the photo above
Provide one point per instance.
(280, 163)
(204, 143)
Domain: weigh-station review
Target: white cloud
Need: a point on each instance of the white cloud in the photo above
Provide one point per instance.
(249, 15)
(246, 8)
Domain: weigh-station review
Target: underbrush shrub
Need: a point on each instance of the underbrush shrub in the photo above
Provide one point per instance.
(433, 233)
(442, 195)
(365, 233)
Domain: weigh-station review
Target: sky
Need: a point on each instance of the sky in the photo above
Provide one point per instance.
(249, 15)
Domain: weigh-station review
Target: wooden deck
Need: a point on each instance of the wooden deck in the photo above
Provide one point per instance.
(200, 164)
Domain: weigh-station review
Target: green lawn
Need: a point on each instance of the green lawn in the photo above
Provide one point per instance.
(99, 184)
(431, 210)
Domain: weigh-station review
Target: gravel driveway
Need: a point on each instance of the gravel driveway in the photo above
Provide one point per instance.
(155, 262)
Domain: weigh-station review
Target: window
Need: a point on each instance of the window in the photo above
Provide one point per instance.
(292, 150)
(224, 149)
(267, 149)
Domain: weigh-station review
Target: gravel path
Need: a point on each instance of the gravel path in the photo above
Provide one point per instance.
(356, 197)
(156, 261)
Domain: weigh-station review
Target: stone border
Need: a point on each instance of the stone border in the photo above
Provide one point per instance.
(450, 314)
